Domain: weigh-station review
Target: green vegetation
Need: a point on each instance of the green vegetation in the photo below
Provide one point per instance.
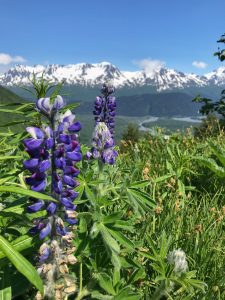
(160, 196)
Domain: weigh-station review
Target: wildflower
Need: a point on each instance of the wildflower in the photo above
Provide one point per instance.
(177, 258)
(103, 136)
(54, 150)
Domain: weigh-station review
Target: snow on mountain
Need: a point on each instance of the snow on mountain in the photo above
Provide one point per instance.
(217, 77)
(86, 74)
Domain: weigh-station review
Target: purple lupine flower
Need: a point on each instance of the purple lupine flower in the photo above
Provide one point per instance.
(55, 153)
(103, 136)
(103, 144)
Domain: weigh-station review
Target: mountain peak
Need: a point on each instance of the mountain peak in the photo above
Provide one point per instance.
(87, 74)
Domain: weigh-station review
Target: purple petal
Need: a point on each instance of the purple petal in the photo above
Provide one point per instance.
(61, 230)
(69, 181)
(57, 186)
(64, 138)
(35, 132)
(96, 153)
(32, 144)
(35, 207)
(51, 208)
(49, 143)
(39, 187)
(68, 117)
(44, 166)
(71, 221)
(75, 127)
(43, 105)
(88, 155)
(60, 163)
(44, 255)
(60, 127)
(67, 203)
(71, 194)
(59, 152)
(36, 228)
(45, 231)
(31, 163)
(59, 102)
(71, 170)
(75, 156)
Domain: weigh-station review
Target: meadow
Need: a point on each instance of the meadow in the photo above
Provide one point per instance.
(146, 223)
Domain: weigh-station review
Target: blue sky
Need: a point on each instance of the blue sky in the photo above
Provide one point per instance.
(132, 34)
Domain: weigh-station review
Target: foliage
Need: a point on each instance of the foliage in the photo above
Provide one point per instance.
(213, 109)
(159, 196)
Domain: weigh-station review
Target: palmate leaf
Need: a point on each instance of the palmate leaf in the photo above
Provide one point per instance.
(140, 200)
(120, 237)
(140, 184)
(211, 164)
(128, 294)
(99, 296)
(112, 246)
(112, 218)
(30, 193)
(21, 264)
(105, 283)
(219, 152)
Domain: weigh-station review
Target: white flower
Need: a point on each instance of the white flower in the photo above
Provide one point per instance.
(178, 259)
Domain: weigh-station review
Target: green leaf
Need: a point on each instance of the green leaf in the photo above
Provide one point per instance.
(140, 184)
(112, 218)
(6, 293)
(211, 164)
(219, 152)
(21, 243)
(143, 198)
(10, 157)
(122, 239)
(108, 239)
(12, 123)
(21, 264)
(11, 111)
(70, 106)
(105, 283)
(127, 294)
(162, 178)
(137, 275)
(90, 195)
(99, 296)
(30, 193)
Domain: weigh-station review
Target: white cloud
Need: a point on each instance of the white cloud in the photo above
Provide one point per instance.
(6, 59)
(150, 65)
(199, 64)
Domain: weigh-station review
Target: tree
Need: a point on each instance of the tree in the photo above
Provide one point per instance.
(209, 107)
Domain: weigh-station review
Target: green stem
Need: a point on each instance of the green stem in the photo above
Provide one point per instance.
(82, 294)
(81, 277)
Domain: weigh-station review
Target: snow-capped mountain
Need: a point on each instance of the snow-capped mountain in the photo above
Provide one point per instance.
(86, 74)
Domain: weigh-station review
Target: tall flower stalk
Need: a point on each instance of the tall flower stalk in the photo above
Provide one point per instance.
(54, 151)
(103, 137)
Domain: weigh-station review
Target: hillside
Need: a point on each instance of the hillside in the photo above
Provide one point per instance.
(159, 104)
(7, 96)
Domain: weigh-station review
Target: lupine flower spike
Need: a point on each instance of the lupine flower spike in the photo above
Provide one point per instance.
(54, 151)
(103, 136)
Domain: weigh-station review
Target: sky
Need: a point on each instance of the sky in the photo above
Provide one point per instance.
(131, 34)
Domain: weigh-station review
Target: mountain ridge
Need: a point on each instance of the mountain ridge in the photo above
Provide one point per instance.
(92, 75)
